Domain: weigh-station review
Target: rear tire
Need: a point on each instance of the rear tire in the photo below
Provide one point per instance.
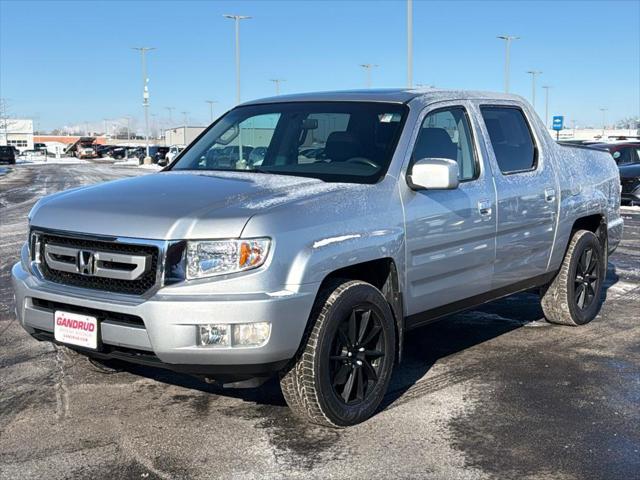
(343, 371)
(573, 296)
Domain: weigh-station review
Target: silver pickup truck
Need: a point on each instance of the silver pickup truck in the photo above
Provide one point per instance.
(305, 235)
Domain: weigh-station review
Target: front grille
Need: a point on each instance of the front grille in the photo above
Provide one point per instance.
(135, 287)
(133, 320)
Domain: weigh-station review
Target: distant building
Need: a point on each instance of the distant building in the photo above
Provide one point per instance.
(17, 132)
(181, 135)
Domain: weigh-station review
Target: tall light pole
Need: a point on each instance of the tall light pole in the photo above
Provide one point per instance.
(185, 117)
(211, 102)
(277, 82)
(409, 43)
(145, 91)
(170, 109)
(236, 19)
(533, 74)
(154, 125)
(128, 118)
(507, 58)
(546, 105)
(604, 119)
(368, 67)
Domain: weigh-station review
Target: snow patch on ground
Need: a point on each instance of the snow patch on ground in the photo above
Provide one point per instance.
(128, 161)
(627, 209)
(41, 160)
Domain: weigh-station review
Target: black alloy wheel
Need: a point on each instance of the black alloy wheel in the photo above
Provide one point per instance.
(357, 353)
(586, 280)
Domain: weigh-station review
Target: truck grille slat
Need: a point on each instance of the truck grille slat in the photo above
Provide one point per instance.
(139, 286)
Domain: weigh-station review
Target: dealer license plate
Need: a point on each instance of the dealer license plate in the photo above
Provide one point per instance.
(76, 329)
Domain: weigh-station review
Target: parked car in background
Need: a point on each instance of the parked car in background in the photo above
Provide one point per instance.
(39, 146)
(173, 152)
(118, 153)
(425, 203)
(627, 155)
(104, 150)
(86, 152)
(7, 155)
(158, 154)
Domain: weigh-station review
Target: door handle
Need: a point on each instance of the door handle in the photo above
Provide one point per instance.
(549, 194)
(484, 208)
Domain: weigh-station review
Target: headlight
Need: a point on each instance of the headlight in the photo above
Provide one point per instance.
(206, 258)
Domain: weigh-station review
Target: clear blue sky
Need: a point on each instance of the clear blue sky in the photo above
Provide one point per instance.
(70, 62)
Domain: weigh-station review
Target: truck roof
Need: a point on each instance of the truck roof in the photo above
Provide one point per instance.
(393, 95)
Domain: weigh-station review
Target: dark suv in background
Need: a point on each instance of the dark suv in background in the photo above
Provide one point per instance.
(7, 155)
(627, 157)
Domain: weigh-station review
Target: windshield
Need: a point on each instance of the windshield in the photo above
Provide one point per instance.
(331, 141)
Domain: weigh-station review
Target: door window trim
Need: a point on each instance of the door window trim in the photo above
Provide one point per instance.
(476, 159)
(534, 139)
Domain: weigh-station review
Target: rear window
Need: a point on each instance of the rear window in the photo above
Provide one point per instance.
(511, 139)
(6, 150)
(627, 155)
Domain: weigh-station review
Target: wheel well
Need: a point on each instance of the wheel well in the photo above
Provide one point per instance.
(382, 274)
(597, 224)
(591, 223)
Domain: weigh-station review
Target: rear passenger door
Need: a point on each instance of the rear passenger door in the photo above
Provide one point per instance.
(450, 234)
(527, 195)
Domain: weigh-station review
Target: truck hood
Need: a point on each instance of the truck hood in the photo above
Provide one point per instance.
(173, 205)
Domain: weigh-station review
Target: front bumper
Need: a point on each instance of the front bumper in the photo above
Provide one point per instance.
(165, 330)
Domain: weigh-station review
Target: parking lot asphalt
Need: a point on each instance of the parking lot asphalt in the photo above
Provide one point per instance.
(491, 393)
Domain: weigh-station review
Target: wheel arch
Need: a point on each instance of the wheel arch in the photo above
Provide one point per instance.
(596, 223)
(382, 273)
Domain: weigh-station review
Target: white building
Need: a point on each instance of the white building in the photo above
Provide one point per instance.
(17, 132)
(181, 135)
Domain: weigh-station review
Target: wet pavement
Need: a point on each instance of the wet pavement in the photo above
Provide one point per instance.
(492, 393)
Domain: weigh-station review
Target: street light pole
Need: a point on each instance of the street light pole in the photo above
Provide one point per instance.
(185, 118)
(170, 109)
(533, 74)
(236, 19)
(368, 67)
(507, 58)
(409, 43)
(145, 91)
(211, 102)
(154, 125)
(277, 82)
(546, 105)
(604, 119)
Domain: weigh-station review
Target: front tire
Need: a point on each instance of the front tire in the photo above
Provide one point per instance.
(573, 297)
(343, 371)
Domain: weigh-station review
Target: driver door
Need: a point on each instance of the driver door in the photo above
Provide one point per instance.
(450, 234)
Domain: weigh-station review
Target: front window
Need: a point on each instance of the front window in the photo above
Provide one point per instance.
(331, 141)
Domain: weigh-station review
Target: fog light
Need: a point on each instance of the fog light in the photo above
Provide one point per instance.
(214, 335)
(234, 335)
(251, 334)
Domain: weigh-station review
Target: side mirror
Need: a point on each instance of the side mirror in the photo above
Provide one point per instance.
(433, 174)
